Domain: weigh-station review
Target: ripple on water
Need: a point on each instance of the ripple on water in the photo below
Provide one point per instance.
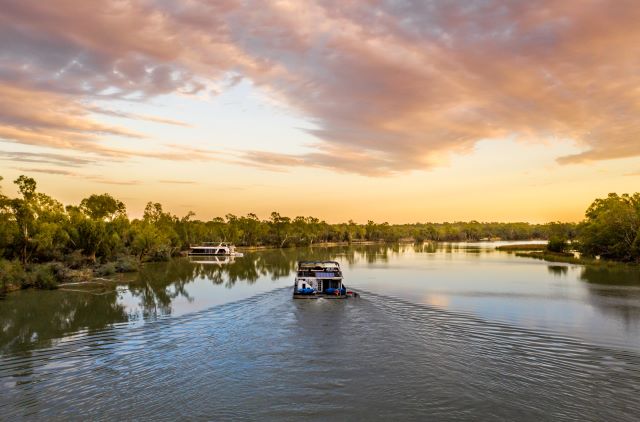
(270, 357)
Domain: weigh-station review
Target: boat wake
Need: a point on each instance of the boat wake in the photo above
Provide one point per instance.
(272, 358)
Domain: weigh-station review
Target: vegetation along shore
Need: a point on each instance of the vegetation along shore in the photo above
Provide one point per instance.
(43, 243)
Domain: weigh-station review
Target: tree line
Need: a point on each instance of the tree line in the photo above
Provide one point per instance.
(37, 229)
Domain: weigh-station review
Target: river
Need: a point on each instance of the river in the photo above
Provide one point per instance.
(440, 332)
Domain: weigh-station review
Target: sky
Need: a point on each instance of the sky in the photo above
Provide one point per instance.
(384, 110)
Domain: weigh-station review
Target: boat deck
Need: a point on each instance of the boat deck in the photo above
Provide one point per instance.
(320, 296)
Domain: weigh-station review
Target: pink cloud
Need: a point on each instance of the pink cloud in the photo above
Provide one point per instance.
(391, 85)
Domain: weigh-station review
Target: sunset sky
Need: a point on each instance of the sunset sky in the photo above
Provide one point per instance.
(397, 111)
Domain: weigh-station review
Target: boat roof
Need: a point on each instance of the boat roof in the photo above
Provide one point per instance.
(314, 263)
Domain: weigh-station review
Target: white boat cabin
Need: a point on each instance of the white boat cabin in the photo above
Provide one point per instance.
(321, 276)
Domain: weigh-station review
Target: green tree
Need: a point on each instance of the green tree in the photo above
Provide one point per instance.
(86, 234)
(280, 228)
(102, 207)
(611, 228)
(557, 244)
(164, 224)
(252, 229)
(8, 228)
(39, 219)
(147, 240)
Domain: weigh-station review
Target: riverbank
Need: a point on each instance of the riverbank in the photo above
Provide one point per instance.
(522, 247)
(51, 275)
(539, 251)
(75, 269)
(571, 258)
(319, 244)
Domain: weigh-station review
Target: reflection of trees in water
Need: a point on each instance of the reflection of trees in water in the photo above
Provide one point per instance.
(615, 290)
(426, 247)
(558, 270)
(33, 318)
(39, 316)
(157, 284)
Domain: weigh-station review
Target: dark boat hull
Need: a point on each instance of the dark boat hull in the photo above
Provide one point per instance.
(318, 296)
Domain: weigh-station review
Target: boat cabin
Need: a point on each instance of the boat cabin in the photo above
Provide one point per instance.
(318, 278)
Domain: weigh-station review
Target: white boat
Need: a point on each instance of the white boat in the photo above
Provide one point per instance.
(316, 279)
(214, 248)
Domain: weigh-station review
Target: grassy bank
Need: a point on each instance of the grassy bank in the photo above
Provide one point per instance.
(317, 244)
(15, 276)
(569, 258)
(522, 247)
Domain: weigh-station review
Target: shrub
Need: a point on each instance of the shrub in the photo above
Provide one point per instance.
(59, 270)
(43, 277)
(75, 260)
(12, 275)
(557, 244)
(126, 264)
(106, 269)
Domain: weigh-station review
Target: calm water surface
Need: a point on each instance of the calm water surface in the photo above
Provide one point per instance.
(446, 332)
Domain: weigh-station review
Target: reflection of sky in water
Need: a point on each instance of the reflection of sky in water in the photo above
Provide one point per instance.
(595, 304)
(202, 294)
(502, 287)
(469, 278)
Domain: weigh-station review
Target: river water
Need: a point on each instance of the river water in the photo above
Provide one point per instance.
(440, 332)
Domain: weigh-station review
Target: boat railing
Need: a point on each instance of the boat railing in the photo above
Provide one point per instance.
(320, 273)
(211, 244)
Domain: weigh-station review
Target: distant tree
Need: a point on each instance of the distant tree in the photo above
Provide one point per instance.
(280, 228)
(147, 240)
(164, 224)
(86, 234)
(153, 213)
(102, 207)
(370, 230)
(40, 220)
(26, 186)
(8, 228)
(252, 229)
(557, 244)
(232, 230)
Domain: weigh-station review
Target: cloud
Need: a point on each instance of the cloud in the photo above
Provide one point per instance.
(47, 171)
(391, 86)
(46, 158)
(52, 120)
(135, 116)
(178, 182)
(116, 182)
(62, 172)
(367, 163)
